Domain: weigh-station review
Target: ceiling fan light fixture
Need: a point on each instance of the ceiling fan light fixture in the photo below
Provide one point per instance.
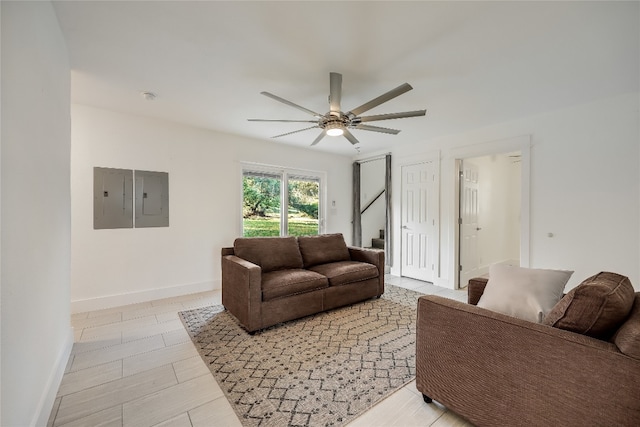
(334, 129)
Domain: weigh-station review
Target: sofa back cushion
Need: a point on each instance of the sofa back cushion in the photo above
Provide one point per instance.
(628, 336)
(323, 249)
(597, 307)
(270, 253)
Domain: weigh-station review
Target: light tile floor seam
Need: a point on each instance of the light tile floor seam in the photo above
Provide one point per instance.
(173, 366)
(93, 322)
(100, 370)
(125, 347)
(79, 398)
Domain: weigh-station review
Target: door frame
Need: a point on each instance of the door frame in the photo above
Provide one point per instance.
(520, 143)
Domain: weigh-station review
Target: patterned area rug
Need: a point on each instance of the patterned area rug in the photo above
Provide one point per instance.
(322, 370)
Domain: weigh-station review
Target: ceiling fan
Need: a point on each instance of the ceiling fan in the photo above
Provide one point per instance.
(336, 122)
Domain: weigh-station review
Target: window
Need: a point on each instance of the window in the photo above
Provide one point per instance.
(261, 213)
(302, 206)
(278, 202)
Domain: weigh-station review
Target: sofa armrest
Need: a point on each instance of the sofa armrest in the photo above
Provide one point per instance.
(242, 290)
(475, 289)
(371, 256)
(498, 370)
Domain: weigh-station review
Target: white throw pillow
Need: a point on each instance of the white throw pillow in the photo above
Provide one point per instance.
(525, 293)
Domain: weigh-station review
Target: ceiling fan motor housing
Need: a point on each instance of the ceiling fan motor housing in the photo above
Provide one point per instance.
(331, 121)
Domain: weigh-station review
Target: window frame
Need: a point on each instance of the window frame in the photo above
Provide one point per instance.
(284, 174)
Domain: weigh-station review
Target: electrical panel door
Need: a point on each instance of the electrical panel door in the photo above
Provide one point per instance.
(112, 198)
(152, 199)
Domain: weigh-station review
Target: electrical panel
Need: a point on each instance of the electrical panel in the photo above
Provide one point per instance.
(152, 199)
(112, 198)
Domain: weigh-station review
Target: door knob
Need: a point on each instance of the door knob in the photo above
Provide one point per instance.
(478, 228)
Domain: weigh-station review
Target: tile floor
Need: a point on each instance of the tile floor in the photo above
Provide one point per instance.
(136, 366)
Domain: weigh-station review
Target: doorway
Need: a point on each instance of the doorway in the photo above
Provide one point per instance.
(373, 209)
(372, 205)
(489, 213)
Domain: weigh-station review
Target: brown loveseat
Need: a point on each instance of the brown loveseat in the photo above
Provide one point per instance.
(269, 280)
(497, 370)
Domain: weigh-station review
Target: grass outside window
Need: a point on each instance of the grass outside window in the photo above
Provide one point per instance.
(256, 227)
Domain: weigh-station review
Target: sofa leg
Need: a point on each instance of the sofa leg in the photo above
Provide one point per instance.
(426, 398)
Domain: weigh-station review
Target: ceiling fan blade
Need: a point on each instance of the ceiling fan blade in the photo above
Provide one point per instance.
(378, 129)
(390, 116)
(283, 121)
(352, 139)
(335, 92)
(322, 135)
(291, 104)
(406, 87)
(295, 131)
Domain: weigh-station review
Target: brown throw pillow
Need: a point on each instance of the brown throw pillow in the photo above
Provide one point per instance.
(597, 307)
(323, 249)
(628, 336)
(270, 253)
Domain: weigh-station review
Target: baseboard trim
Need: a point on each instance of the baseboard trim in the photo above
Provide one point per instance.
(48, 398)
(109, 301)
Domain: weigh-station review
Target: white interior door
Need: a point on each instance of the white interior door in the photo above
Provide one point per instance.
(469, 227)
(419, 255)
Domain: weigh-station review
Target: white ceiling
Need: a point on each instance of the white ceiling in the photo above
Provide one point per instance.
(471, 64)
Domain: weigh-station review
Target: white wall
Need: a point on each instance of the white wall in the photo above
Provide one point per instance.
(113, 267)
(585, 186)
(36, 335)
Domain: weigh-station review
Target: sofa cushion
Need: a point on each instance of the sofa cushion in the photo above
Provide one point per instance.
(597, 307)
(525, 293)
(344, 272)
(283, 283)
(270, 253)
(323, 249)
(627, 339)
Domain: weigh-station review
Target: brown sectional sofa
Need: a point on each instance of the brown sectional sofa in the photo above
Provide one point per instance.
(269, 280)
(497, 370)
